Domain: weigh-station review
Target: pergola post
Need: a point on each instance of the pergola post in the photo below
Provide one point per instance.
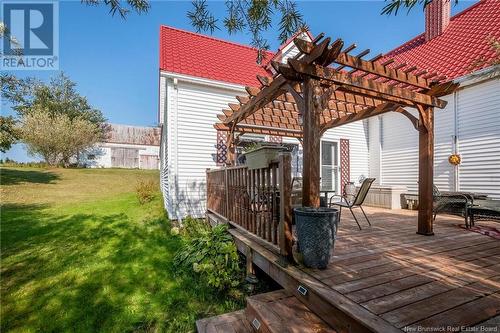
(231, 148)
(425, 170)
(307, 95)
(313, 108)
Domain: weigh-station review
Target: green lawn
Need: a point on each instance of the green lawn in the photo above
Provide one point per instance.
(80, 254)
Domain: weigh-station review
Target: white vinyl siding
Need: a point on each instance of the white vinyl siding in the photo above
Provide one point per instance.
(192, 111)
(444, 131)
(374, 148)
(475, 119)
(357, 134)
(290, 50)
(162, 91)
(189, 141)
(479, 137)
(164, 170)
(191, 144)
(399, 151)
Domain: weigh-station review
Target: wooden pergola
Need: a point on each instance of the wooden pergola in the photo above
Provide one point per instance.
(323, 87)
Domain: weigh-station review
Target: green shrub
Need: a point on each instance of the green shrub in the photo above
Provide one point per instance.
(192, 228)
(211, 254)
(12, 163)
(145, 190)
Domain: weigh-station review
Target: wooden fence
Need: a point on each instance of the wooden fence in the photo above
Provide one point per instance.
(255, 200)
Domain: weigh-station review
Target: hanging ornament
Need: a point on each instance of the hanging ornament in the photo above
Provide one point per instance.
(454, 159)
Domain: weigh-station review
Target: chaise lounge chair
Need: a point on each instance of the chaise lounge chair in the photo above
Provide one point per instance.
(455, 203)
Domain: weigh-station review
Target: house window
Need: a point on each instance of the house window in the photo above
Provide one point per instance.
(91, 157)
(329, 166)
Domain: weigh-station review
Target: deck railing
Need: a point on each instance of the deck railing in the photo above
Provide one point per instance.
(256, 200)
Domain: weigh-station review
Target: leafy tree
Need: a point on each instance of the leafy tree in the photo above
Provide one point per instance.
(59, 97)
(254, 16)
(395, 5)
(8, 133)
(121, 7)
(7, 37)
(57, 137)
(16, 90)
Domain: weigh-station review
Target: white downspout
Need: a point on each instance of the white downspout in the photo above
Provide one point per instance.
(380, 147)
(455, 144)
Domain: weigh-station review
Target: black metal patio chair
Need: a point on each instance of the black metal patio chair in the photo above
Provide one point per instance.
(455, 203)
(356, 202)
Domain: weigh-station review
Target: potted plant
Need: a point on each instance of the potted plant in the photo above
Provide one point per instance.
(316, 231)
(260, 155)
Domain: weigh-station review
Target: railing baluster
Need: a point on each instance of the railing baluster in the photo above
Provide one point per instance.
(273, 210)
(270, 208)
(256, 200)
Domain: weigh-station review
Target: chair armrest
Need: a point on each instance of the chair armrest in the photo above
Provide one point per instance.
(468, 195)
(337, 195)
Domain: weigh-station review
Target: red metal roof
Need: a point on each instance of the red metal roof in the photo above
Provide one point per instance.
(462, 43)
(202, 56)
(452, 54)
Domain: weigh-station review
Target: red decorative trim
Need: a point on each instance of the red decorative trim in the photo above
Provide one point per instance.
(221, 148)
(345, 164)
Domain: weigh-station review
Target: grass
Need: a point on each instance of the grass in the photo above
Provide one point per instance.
(80, 254)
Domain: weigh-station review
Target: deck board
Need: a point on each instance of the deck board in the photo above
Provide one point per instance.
(468, 314)
(387, 278)
(409, 279)
(436, 304)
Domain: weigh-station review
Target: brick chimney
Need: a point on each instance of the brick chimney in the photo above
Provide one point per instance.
(437, 18)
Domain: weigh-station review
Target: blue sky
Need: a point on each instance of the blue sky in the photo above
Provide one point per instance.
(115, 62)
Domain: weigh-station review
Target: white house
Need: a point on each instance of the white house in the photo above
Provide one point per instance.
(470, 123)
(200, 75)
(126, 147)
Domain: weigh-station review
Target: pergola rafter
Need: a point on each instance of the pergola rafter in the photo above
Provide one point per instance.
(323, 87)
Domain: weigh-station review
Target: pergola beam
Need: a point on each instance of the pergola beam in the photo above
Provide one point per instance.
(366, 113)
(414, 120)
(330, 74)
(275, 88)
(371, 66)
(306, 97)
(266, 95)
(264, 130)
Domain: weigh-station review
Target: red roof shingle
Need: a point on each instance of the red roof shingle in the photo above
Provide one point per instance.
(462, 43)
(202, 56)
(452, 54)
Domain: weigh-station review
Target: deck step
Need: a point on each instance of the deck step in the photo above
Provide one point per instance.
(234, 322)
(280, 311)
(335, 309)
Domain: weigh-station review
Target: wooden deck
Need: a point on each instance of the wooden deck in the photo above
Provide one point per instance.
(387, 278)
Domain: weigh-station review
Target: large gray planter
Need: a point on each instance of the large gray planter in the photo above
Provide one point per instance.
(316, 230)
(262, 157)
